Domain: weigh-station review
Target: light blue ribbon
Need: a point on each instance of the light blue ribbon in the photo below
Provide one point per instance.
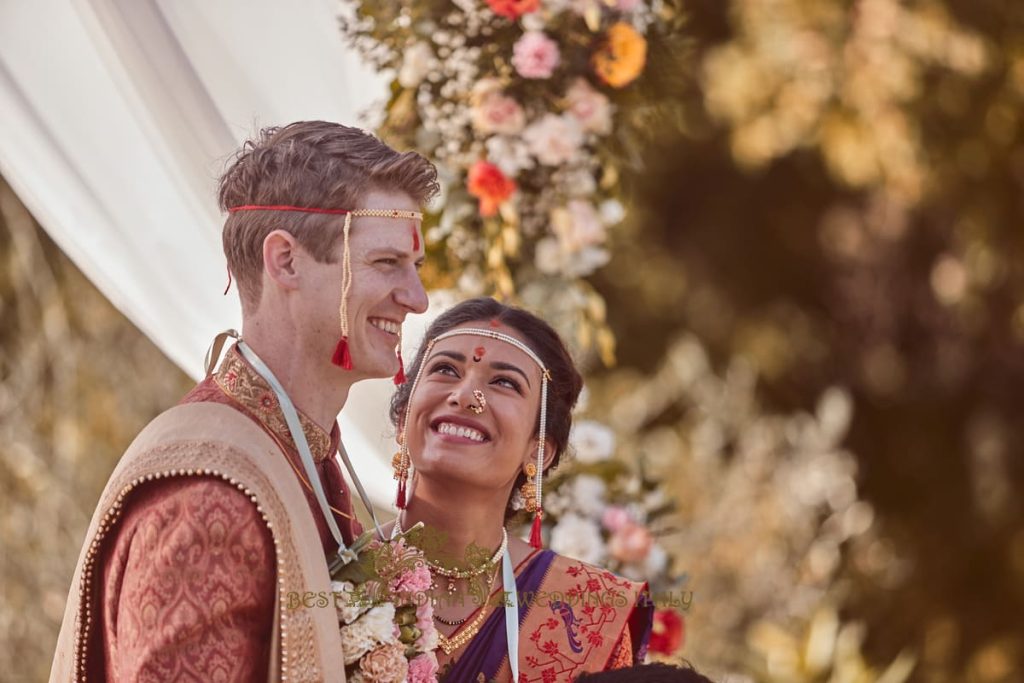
(291, 417)
(508, 584)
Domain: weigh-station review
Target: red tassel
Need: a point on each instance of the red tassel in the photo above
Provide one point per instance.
(342, 357)
(400, 375)
(535, 540)
(400, 501)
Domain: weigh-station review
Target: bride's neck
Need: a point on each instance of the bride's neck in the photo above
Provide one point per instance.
(463, 519)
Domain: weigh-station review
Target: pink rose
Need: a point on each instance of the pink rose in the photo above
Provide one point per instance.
(631, 543)
(615, 517)
(535, 55)
(425, 623)
(589, 107)
(416, 580)
(423, 669)
(498, 113)
(385, 664)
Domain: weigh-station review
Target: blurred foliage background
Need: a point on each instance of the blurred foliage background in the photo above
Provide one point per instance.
(844, 204)
(836, 198)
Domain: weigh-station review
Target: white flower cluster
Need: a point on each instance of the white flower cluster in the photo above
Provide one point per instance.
(486, 82)
(375, 627)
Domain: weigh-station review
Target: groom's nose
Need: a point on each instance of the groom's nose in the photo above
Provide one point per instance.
(412, 295)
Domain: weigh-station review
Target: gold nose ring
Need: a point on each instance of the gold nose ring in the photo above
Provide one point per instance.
(481, 402)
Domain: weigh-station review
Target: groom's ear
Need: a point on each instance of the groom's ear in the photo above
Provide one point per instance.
(280, 249)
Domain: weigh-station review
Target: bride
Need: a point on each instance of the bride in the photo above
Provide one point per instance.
(487, 412)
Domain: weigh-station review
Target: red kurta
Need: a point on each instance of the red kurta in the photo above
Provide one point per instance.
(188, 576)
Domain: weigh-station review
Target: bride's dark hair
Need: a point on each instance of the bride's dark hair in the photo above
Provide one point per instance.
(563, 389)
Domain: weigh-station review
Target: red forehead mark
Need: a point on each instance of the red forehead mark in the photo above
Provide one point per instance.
(495, 323)
(478, 354)
(415, 239)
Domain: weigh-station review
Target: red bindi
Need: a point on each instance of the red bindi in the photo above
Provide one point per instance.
(478, 354)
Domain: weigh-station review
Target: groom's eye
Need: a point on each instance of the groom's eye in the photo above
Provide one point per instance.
(388, 261)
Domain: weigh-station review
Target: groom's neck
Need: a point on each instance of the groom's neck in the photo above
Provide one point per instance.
(318, 394)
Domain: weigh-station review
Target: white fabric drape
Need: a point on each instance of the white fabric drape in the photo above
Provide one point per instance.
(116, 117)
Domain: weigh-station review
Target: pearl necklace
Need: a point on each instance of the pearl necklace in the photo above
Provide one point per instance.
(454, 574)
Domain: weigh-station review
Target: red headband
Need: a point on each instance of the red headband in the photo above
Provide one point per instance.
(301, 209)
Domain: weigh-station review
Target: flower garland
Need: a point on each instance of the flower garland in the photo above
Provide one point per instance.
(516, 100)
(385, 614)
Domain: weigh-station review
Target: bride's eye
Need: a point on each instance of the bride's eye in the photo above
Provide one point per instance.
(443, 369)
(509, 383)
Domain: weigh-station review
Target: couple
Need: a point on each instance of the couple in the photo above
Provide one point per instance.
(233, 500)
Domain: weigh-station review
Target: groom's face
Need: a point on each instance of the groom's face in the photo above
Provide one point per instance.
(386, 254)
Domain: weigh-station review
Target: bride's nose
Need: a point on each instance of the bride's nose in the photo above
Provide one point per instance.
(461, 396)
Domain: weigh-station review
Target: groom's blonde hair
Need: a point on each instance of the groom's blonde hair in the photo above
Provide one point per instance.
(310, 164)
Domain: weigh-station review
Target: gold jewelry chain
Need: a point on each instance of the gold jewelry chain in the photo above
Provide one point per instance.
(465, 573)
(460, 622)
(450, 645)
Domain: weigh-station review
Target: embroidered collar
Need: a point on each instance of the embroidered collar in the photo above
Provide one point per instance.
(239, 381)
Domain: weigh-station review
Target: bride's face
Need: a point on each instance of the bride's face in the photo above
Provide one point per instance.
(450, 442)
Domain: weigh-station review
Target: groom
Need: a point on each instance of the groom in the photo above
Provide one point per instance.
(211, 518)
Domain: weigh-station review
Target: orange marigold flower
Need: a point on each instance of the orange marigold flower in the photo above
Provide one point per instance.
(621, 56)
(487, 183)
(513, 9)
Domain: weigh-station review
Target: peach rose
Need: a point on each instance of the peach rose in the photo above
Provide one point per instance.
(498, 113)
(385, 664)
(589, 107)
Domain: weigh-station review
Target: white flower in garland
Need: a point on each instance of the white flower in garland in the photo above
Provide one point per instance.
(348, 607)
(415, 65)
(551, 259)
(577, 226)
(376, 627)
(578, 537)
(510, 154)
(612, 212)
(587, 494)
(554, 140)
(592, 441)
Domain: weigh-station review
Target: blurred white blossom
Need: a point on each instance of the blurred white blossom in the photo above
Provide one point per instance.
(592, 441)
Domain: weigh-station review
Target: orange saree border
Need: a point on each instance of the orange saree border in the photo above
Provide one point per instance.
(575, 621)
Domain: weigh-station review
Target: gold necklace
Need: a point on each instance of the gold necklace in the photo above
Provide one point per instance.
(450, 645)
(460, 622)
(454, 574)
